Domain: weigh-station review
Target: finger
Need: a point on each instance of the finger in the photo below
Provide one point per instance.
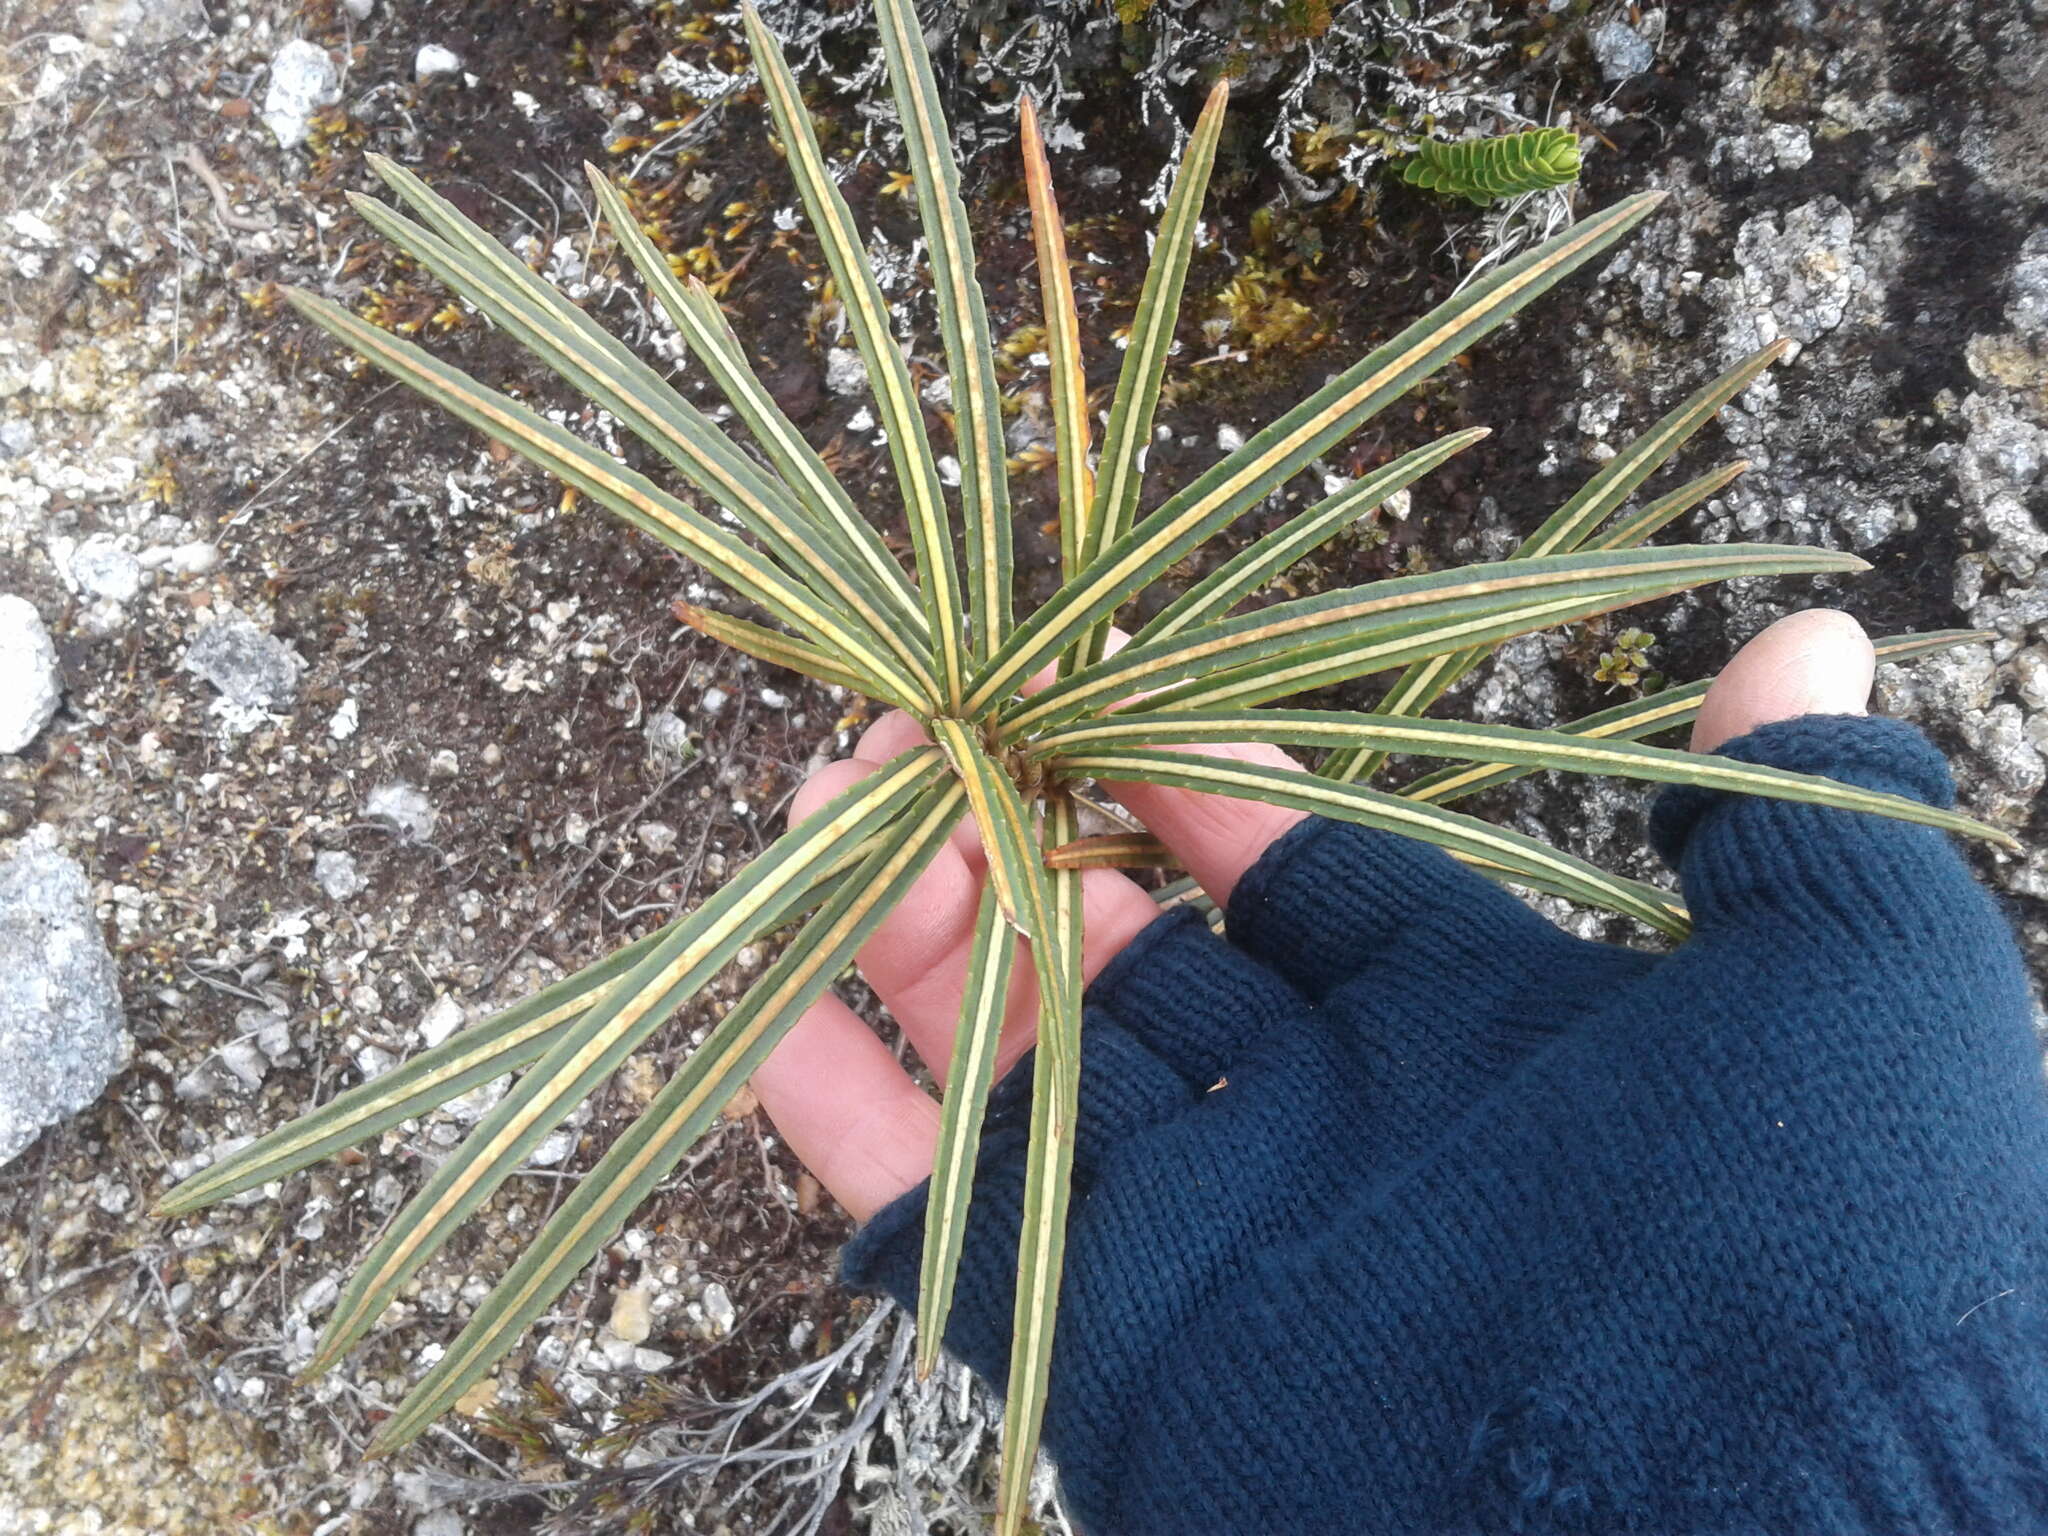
(1215, 837)
(849, 1112)
(888, 739)
(917, 960)
(1814, 663)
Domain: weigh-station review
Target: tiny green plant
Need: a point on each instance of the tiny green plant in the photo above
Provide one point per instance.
(1628, 664)
(1483, 170)
(1022, 711)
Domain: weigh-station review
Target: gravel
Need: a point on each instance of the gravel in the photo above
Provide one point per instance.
(62, 1033)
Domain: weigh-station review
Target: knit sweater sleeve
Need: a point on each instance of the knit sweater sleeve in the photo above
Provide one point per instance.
(1402, 1210)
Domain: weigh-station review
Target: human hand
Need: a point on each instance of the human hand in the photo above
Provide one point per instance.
(1402, 1210)
(867, 1132)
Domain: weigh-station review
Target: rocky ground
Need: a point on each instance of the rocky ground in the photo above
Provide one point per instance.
(343, 730)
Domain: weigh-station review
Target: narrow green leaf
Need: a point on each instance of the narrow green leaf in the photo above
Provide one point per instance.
(1515, 857)
(1258, 563)
(1379, 649)
(1620, 476)
(867, 314)
(701, 323)
(1049, 1169)
(1062, 349)
(963, 323)
(1627, 533)
(613, 376)
(698, 947)
(1649, 905)
(1562, 750)
(631, 495)
(999, 814)
(1136, 559)
(1121, 472)
(983, 1001)
(769, 645)
(1637, 530)
(681, 1113)
(1567, 529)
(1663, 711)
(1269, 637)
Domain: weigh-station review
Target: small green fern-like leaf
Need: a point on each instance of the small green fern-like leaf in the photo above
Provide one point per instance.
(1507, 166)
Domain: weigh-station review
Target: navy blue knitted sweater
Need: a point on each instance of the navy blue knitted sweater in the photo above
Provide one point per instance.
(1403, 1211)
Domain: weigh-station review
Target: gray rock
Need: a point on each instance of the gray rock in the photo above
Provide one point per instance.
(151, 23)
(62, 1036)
(845, 373)
(104, 569)
(17, 438)
(335, 872)
(2026, 310)
(302, 81)
(405, 806)
(249, 665)
(1620, 50)
(668, 737)
(29, 686)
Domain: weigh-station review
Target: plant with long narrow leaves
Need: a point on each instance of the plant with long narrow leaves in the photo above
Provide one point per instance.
(1021, 712)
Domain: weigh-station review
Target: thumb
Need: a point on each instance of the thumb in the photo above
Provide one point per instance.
(1793, 698)
(1814, 663)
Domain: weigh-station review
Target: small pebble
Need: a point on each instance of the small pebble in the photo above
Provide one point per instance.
(433, 60)
(632, 1317)
(335, 872)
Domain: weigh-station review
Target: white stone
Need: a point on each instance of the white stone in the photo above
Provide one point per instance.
(557, 1146)
(29, 686)
(62, 1031)
(405, 807)
(246, 1060)
(441, 1020)
(632, 1317)
(667, 736)
(719, 1313)
(845, 373)
(335, 872)
(433, 59)
(359, 10)
(302, 81)
(102, 568)
(194, 559)
(1621, 51)
(251, 667)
